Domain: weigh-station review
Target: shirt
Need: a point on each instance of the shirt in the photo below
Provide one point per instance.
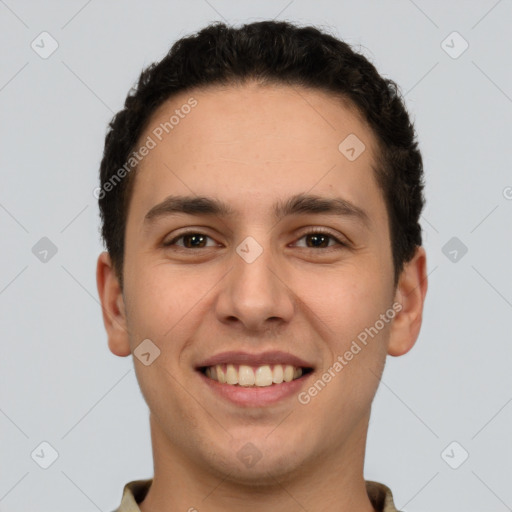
(134, 493)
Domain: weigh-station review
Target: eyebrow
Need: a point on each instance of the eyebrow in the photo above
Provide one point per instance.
(295, 205)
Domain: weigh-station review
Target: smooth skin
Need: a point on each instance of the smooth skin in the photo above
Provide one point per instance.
(252, 146)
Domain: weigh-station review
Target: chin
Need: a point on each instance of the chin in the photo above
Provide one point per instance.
(258, 462)
(265, 473)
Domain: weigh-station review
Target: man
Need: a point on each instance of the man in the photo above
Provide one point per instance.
(260, 197)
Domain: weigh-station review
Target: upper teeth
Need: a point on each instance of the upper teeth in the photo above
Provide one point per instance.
(248, 376)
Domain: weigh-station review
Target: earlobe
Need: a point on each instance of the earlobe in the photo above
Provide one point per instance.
(410, 294)
(112, 305)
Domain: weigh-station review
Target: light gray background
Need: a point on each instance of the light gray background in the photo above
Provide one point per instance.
(59, 382)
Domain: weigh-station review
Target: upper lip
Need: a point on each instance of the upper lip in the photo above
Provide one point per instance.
(270, 357)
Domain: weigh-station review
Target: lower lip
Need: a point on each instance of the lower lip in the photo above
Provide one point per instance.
(255, 396)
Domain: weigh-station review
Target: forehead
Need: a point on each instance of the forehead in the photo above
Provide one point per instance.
(256, 113)
(249, 141)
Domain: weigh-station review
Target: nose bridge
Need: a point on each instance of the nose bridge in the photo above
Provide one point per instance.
(254, 292)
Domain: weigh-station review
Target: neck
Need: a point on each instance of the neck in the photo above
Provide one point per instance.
(331, 481)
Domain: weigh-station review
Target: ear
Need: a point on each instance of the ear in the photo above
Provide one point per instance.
(112, 305)
(410, 294)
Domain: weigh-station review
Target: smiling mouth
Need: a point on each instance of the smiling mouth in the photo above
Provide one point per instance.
(254, 376)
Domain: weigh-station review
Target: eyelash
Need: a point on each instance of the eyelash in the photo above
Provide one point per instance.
(317, 231)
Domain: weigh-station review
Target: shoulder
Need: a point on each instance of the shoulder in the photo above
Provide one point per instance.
(133, 493)
(381, 496)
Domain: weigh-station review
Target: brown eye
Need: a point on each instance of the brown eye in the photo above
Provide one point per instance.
(318, 239)
(191, 240)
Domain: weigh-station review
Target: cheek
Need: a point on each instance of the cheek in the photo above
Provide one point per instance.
(346, 301)
(166, 305)
(155, 303)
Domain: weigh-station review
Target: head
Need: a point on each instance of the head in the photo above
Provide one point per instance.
(269, 53)
(276, 135)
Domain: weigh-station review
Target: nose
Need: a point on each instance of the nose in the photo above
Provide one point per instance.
(255, 295)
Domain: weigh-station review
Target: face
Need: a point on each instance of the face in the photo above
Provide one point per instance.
(287, 258)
